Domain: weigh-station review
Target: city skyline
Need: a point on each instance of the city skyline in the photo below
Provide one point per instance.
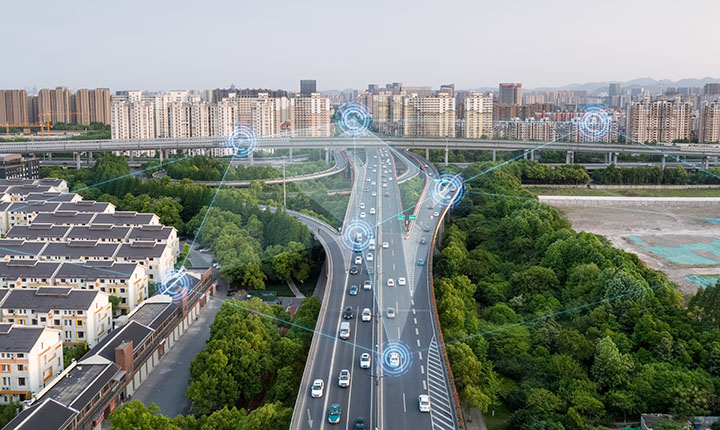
(343, 55)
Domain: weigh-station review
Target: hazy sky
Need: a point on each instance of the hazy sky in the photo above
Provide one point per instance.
(183, 44)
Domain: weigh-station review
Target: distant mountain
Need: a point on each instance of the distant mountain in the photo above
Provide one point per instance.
(653, 85)
(595, 88)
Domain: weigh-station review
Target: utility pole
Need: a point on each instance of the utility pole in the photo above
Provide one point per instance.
(284, 188)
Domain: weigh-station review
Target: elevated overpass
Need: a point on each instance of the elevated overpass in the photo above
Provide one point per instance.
(611, 150)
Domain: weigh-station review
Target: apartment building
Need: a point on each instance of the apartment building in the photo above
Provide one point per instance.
(658, 121)
(158, 260)
(478, 114)
(510, 93)
(429, 116)
(311, 116)
(127, 281)
(710, 123)
(88, 106)
(85, 393)
(82, 316)
(13, 107)
(529, 129)
(30, 357)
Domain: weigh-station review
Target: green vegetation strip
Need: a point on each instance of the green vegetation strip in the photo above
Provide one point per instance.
(589, 335)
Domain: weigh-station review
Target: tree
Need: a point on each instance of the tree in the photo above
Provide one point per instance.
(668, 425)
(476, 381)
(212, 384)
(610, 368)
(535, 280)
(134, 415)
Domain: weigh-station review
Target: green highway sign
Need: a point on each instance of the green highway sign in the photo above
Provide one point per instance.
(413, 217)
(401, 217)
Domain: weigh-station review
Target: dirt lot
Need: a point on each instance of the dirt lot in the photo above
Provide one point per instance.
(683, 242)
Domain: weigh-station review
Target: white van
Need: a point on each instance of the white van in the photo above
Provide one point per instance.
(372, 244)
(344, 330)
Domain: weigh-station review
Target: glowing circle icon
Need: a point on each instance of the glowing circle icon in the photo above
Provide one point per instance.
(176, 285)
(242, 141)
(594, 124)
(357, 235)
(396, 358)
(354, 120)
(448, 189)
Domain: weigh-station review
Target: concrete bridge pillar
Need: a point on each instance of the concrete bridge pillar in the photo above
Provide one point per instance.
(161, 156)
(327, 155)
(706, 162)
(427, 154)
(446, 155)
(251, 158)
(77, 160)
(494, 155)
(290, 155)
(569, 157)
(663, 161)
(132, 156)
(90, 155)
(50, 156)
(615, 157)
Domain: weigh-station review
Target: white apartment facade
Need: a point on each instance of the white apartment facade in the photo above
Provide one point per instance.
(478, 116)
(83, 316)
(30, 357)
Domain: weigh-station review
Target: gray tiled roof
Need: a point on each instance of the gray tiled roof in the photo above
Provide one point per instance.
(80, 248)
(20, 247)
(64, 217)
(124, 218)
(98, 231)
(150, 232)
(85, 206)
(49, 414)
(18, 338)
(46, 299)
(27, 268)
(140, 249)
(37, 231)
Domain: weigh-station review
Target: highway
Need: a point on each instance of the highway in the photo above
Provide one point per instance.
(386, 394)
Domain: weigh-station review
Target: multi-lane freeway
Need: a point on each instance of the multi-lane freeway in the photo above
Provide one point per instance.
(399, 334)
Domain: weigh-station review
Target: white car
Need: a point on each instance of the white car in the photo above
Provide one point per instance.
(344, 378)
(318, 388)
(436, 214)
(394, 359)
(368, 179)
(391, 312)
(386, 245)
(373, 183)
(372, 211)
(362, 205)
(362, 214)
(390, 282)
(384, 184)
(369, 256)
(366, 314)
(424, 403)
(367, 285)
(358, 259)
(373, 194)
(365, 360)
(402, 282)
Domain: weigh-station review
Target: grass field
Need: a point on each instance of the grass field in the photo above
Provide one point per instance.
(634, 192)
(500, 419)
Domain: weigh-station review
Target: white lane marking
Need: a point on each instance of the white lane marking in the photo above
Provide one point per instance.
(420, 354)
(404, 406)
(422, 369)
(398, 332)
(412, 302)
(418, 342)
(413, 311)
(415, 321)
(424, 385)
(416, 332)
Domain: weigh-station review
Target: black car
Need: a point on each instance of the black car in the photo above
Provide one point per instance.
(348, 314)
(354, 270)
(426, 228)
(360, 423)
